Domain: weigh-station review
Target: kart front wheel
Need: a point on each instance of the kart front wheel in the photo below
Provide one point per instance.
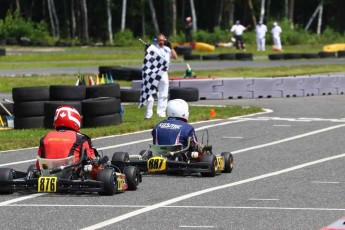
(228, 162)
(107, 176)
(120, 159)
(6, 175)
(211, 160)
(132, 177)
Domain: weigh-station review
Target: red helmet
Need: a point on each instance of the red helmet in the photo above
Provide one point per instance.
(67, 116)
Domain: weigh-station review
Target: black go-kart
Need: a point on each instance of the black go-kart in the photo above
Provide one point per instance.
(64, 176)
(174, 159)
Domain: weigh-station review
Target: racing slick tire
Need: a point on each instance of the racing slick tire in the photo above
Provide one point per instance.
(228, 162)
(6, 175)
(132, 177)
(34, 93)
(211, 160)
(107, 176)
(120, 159)
(32, 171)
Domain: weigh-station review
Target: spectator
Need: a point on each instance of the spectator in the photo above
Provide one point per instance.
(238, 30)
(261, 30)
(188, 29)
(276, 31)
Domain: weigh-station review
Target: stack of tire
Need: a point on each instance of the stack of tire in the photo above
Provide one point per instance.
(69, 95)
(2, 52)
(102, 105)
(186, 93)
(28, 107)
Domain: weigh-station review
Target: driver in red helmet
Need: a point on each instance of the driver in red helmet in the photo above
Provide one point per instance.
(66, 140)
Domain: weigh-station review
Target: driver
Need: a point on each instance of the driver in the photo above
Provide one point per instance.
(175, 129)
(66, 140)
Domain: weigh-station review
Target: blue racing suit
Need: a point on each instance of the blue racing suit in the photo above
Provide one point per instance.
(174, 131)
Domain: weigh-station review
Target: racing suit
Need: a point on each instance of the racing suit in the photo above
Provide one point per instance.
(174, 131)
(64, 143)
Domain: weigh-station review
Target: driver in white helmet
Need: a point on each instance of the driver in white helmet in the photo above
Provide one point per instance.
(175, 129)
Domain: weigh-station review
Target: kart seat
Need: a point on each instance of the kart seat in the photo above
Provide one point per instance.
(165, 150)
(46, 164)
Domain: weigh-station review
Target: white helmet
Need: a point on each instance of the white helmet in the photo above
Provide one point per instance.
(178, 108)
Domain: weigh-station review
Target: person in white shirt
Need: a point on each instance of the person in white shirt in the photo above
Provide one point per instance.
(261, 30)
(276, 31)
(165, 51)
(238, 30)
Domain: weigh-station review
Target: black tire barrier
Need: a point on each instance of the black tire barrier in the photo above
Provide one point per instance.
(227, 56)
(275, 57)
(48, 122)
(117, 72)
(35, 93)
(100, 106)
(8, 106)
(136, 74)
(187, 94)
(51, 106)
(130, 95)
(210, 57)
(2, 52)
(11, 41)
(244, 56)
(28, 122)
(341, 54)
(183, 50)
(28, 109)
(188, 57)
(289, 56)
(106, 90)
(310, 55)
(67, 92)
(323, 54)
(112, 119)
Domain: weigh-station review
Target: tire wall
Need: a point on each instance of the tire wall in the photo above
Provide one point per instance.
(34, 107)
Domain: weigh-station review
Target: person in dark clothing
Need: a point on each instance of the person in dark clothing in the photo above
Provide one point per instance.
(175, 130)
(188, 29)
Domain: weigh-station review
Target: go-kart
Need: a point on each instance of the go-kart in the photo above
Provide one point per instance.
(171, 159)
(64, 176)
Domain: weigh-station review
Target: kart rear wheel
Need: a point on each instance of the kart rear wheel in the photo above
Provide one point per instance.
(6, 175)
(107, 176)
(228, 162)
(120, 159)
(211, 160)
(146, 154)
(132, 177)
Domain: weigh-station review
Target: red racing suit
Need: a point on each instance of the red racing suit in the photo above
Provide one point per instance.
(64, 143)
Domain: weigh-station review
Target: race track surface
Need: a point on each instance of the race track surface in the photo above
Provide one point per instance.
(289, 167)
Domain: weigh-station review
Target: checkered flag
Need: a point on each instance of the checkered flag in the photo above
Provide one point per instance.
(152, 70)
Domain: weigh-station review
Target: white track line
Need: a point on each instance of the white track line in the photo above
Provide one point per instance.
(190, 195)
(20, 199)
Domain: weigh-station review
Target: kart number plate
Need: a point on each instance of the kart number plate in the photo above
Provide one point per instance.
(47, 184)
(156, 164)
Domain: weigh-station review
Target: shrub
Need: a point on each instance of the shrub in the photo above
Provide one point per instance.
(124, 38)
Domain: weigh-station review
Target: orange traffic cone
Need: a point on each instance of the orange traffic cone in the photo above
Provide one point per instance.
(212, 113)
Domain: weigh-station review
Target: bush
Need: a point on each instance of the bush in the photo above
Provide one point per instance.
(124, 38)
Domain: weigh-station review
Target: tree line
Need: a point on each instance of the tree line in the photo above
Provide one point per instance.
(91, 21)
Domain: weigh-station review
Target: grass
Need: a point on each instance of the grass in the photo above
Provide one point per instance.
(133, 120)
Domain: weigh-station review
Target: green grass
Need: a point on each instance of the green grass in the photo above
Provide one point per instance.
(133, 120)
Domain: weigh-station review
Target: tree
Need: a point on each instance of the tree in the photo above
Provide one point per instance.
(173, 2)
(193, 15)
(85, 21)
(123, 17)
(110, 30)
(154, 18)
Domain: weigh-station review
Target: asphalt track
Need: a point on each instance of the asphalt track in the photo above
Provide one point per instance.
(289, 167)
